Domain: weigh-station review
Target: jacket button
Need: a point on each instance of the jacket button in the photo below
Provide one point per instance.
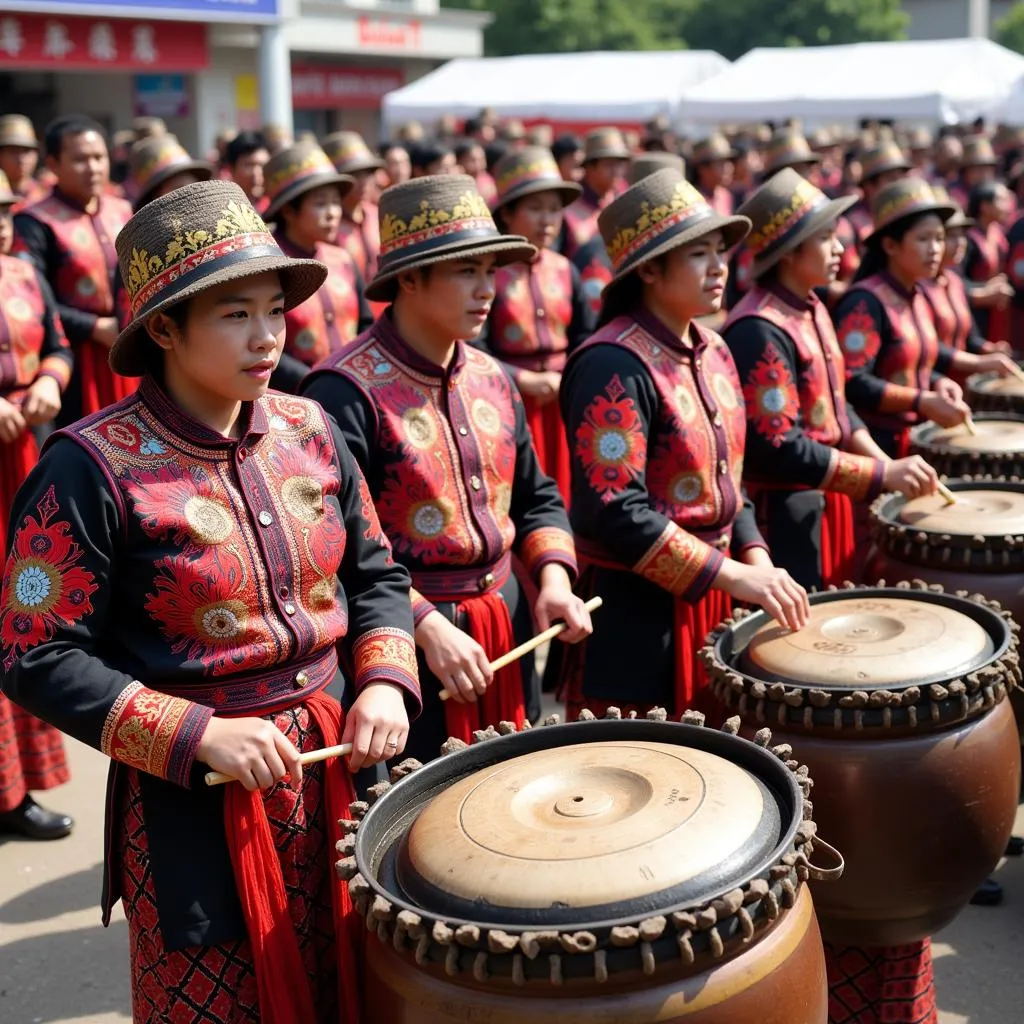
(329, 318)
(718, 419)
(487, 580)
(289, 609)
(265, 518)
(301, 680)
(463, 431)
(723, 466)
(540, 314)
(474, 482)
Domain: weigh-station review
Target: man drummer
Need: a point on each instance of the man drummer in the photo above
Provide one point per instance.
(440, 432)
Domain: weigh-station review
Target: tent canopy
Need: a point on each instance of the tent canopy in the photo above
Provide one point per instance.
(947, 80)
(582, 87)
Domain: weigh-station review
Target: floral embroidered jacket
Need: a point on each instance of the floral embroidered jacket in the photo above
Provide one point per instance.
(539, 315)
(449, 460)
(579, 224)
(595, 270)
(891, 350)
(793, 378)
(159, 573)
(951, 310)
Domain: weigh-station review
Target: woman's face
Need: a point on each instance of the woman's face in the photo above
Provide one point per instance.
(815, 262)
(537, 217)
(6, 229)
(690, 281)
(917, 256)
(956, 247)
(318, 217)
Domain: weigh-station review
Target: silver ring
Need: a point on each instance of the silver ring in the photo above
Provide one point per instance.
(392, 744)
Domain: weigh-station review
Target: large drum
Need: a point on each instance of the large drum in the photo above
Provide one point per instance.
(896, 699)
(617, 870)
(991, 392)
(997, 449)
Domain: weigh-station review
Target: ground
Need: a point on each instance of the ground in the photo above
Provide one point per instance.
(59, 965)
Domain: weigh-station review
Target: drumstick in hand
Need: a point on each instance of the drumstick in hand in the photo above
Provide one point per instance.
(970, 427)
(1016, 371)
(532, 644)
(310, 757)
(946, 493)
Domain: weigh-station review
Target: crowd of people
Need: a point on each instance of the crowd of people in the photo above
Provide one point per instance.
(305, 415)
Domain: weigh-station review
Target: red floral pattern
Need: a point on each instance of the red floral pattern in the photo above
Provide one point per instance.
(771, 397)
(859, 337)
(610, 442)
(45, 586)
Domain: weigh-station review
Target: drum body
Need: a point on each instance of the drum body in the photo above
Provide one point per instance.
(989, 392)
(918, 779)
(631, 871)
(997, 449)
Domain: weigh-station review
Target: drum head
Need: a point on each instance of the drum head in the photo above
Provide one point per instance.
(866, 643)
(585, 825)
(978, 511)
(993, 384)
(993, 435)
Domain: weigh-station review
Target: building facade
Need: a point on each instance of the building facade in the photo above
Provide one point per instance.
(953, 19)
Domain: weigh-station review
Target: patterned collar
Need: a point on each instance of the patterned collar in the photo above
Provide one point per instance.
(898, 287)
(693, 344)
(289, 248)
(386, 332)
(254, 418)
(780, 291)
(75, 204)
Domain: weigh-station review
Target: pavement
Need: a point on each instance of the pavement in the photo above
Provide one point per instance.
(59, 965)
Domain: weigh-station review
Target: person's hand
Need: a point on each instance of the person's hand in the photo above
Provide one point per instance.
(454, 657)
(540, 386)
(106, 330)
(12, 422)
(988, 347)
(911, 476)
(949, 389)
(42, 402)
(252, 750)
(996, 362)
(767, 586)
(943, 411)
(377, 725)
(557, 601)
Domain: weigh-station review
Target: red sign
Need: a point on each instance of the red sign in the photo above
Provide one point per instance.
(354, 88)
(52, 42)
(381, 33)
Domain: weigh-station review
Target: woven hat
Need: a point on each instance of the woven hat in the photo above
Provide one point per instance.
(660, 212)
(7, 194)
(432, 219)
(525, 172)
(350, 153)
(604, 144)
(714, 147)
(978, 152)
(187, 241)
(785, 211)
(149, 127)
(907, 197)
(297, 169)
(17, 130)
(648, 163)
(919, 138)
(153, 160)
(788, 149)
(959, 218)
(886, 156)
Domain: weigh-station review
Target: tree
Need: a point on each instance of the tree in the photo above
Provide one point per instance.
(1010, 30)
(558, 26)
(732, 27)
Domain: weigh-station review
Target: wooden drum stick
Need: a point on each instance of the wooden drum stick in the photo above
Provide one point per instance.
(946, 493)
(310, 757)
(970, 427)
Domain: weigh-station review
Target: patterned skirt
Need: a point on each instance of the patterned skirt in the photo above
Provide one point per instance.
(885, 985)
(31, 755)
(217, 984)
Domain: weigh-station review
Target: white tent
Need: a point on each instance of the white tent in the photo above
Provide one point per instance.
(580, 87)
(943, 80)
(1012, 111)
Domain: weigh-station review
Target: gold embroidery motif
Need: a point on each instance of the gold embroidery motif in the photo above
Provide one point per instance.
(468, 207)
(141, 726)
(675, 560)
(684, 197)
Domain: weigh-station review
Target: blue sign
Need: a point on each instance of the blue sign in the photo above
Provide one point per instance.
(185, 10)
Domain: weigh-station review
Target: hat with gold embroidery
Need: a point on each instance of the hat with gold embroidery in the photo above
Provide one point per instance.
(647, 163)
(604, 144)
(435, 218)
(350, 153)
(187, 241)
(298, 169)
(908, 197)
(156, 159)
(16, 130)
(660, 212)
(788, 149)
(714, 147)
(785, 211)
(886, 156)
(7, 194)
(524, 172)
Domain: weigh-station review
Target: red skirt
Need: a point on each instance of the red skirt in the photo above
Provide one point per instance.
(693, 622)
(548, 433)
(17, 460)
(838, 540)
(100, 385)
(218, 984)
(885, 985)
(31, 755)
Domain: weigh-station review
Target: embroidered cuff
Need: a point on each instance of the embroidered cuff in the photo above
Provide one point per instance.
(154, 732)
(858, 476)
(386, 655)
(58, 369)
(421, 607)
(544, 545)
(897, 398)
(680, 563)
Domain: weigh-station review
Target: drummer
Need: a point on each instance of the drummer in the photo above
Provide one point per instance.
(808, 455)
(656, 426)
(894, 362)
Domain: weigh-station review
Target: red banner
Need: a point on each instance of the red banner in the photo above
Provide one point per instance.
(352, 88)
(52, 42)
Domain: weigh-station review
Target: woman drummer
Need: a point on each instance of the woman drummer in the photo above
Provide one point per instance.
(895, 365)
(808, 455)
(540, 312)
(656, 426)
(171, 596)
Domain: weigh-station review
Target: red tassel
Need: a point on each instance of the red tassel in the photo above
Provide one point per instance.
(693, 622)
(838, 543)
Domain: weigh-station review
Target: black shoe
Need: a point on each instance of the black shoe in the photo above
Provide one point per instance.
(35, 822)
(989, 894)
(1015, 847)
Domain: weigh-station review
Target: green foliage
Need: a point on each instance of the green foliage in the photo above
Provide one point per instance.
(1010, 30)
